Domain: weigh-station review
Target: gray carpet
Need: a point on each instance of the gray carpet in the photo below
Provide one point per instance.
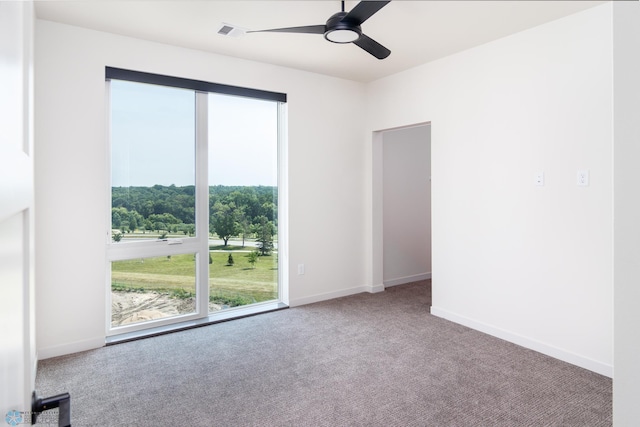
(364, 360)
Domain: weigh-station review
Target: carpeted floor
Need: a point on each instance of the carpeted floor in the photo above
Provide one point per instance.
(364, 360)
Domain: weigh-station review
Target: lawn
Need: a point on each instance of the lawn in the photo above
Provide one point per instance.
(176, 275)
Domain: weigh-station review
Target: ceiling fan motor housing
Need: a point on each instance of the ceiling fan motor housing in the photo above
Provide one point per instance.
(342, 31)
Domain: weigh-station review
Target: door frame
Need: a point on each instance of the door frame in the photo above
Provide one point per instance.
(18, 350)
(377, 205)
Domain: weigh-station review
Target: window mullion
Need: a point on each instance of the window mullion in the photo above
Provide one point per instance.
(202, 201)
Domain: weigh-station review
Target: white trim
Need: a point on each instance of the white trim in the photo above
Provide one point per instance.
(407, 279)
(108, 203)
(213, 318)
(374, 289)
(549, 350)
(377, 253)
(154, 323)
(283, 203)
(69, 348)
(336, 294)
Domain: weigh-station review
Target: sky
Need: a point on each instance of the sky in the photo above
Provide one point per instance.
(153, 137)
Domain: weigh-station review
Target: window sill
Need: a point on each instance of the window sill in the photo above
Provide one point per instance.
(211, 319)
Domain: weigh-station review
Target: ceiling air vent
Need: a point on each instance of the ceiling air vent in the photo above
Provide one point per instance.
(231, 30)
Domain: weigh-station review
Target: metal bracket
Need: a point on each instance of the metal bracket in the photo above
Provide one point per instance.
(60, 401)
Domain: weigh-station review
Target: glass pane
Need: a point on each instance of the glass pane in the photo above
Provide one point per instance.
(243, 201)
(146, 289)
(152, 161)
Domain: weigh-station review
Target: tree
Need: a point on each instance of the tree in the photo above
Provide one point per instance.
(119, 216)
(186, 229)
(230, 260)
(166, 219)
(172, 207)
(253, 258)
(223, 221)
(244, 224)
(269, 210)
(135, 220)
(265, 231)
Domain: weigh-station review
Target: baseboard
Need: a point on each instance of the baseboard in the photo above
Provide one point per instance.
(407, 279)
(74, 347)
(336, 294)
(34, 371)
(549, 350)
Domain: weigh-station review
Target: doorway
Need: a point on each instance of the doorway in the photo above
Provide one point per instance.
(402, 205)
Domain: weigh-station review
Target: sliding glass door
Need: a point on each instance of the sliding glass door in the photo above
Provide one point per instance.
(194, 202)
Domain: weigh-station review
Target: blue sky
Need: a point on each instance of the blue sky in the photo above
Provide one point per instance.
(153, 137)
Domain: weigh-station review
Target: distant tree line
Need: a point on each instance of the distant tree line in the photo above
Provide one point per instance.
(234, 211)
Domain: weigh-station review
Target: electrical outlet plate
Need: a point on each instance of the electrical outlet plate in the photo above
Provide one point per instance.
(583, 178)
(539, 178)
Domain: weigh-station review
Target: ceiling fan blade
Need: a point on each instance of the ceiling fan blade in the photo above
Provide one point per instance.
(309, 29)
(364, 10)
(373, 47)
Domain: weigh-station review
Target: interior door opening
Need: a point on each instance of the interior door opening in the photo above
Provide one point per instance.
(402, 205)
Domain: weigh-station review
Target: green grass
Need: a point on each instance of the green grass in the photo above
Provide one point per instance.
(239, 284)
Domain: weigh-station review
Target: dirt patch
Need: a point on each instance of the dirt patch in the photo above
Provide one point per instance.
(134, 307)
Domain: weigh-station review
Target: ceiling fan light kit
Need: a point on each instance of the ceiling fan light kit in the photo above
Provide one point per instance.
(340, 30)
(343, 27)
(342, 36)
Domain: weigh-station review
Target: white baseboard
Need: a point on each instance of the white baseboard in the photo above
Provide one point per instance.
(69, 348)
(336, 294)
(407, 279)
(549, 350)
(34, 371)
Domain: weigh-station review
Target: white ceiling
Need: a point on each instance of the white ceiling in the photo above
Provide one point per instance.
(416, 32)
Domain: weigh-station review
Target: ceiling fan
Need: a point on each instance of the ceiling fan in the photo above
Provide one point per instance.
(344, 27)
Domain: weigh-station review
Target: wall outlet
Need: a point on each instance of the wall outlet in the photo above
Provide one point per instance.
(539, 178)
(583, 178)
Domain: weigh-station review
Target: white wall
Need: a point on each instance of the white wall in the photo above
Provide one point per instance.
(626, 66)
(327, 201)
(530, 264)
(406, 169)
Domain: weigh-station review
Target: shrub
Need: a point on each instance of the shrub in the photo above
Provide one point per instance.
(182, 294)
(253, 258)
(235, 300)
